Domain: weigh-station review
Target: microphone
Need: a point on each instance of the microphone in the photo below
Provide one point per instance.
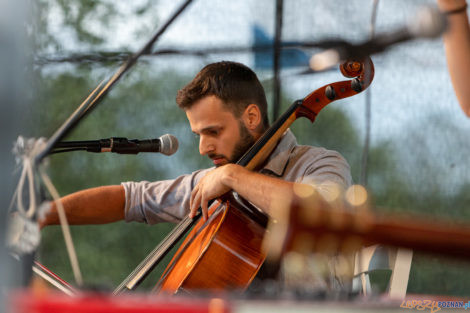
(429, 22)
(166, 144)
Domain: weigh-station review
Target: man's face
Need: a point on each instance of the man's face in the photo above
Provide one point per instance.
(222, 137)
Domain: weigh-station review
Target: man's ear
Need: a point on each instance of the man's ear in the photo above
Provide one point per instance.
(252, 117)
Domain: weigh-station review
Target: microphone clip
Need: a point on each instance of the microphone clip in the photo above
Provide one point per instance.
(119, 145)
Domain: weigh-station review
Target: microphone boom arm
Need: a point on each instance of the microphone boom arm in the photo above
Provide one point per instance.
(166, 144)
(102, 89)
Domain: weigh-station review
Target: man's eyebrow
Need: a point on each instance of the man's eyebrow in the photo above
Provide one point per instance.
(209, 128)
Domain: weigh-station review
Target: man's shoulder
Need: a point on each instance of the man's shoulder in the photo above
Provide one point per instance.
(290, 146)
(313, 152)
(320, 165)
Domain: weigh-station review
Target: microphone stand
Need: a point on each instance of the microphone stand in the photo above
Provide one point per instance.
(96, 96)
(119, 145)
(102, 89)
(68, 146)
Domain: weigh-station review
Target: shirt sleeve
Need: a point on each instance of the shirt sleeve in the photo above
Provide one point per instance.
(160, 201)
(328, 172)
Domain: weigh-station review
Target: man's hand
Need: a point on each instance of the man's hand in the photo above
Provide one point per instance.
(257, 188)
(216, 183)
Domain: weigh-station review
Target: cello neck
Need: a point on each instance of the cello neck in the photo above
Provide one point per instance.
(257, 154)
(309, 107)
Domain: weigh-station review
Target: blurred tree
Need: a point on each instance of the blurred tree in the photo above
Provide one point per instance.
(132, 111)
(106, 253)
(143, 106)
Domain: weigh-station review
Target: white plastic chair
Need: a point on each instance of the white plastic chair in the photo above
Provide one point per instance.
(379, 257)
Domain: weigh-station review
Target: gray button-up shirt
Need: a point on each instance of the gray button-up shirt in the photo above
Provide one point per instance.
(168, 200)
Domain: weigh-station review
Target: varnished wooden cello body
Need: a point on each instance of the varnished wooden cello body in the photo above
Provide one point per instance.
(225, 252)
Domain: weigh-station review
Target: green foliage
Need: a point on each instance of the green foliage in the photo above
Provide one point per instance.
(107, 253)
(75, 16)
(392, 193)
(439, 276)
(143, 106)
(83, 19)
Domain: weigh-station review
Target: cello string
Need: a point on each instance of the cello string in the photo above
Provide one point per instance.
(160, 251)
(157, 253)
(217, 211)
(183, 249)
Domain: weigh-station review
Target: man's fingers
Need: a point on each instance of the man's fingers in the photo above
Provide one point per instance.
(193, 194)
(196, 202)
(204, 208)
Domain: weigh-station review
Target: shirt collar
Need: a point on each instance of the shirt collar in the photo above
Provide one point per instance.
(278, 159)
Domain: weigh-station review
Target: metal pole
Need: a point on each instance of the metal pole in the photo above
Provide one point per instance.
(365, 150)
(277, 59)
(98, 94)
(12, 105)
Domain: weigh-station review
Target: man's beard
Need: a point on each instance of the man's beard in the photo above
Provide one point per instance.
(245, 142)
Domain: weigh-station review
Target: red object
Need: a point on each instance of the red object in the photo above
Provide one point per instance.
(27, 302)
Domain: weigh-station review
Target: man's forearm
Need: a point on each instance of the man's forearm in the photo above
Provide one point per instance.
(259, 189)
(91, 206)
(457, 46)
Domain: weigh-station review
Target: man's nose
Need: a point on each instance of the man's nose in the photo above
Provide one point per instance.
(205, 145)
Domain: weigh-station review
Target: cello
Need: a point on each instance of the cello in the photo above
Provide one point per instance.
(225, 252)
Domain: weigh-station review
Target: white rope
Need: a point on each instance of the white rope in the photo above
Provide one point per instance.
(25, 151)
(25, 232)
(64, 226)
(23, 235)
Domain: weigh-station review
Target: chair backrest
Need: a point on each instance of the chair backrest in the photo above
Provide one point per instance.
(377, 257)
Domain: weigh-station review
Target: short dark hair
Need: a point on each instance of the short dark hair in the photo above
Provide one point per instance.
(233, 83)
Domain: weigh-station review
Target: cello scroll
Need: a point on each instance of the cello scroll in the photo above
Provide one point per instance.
(362, 73)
